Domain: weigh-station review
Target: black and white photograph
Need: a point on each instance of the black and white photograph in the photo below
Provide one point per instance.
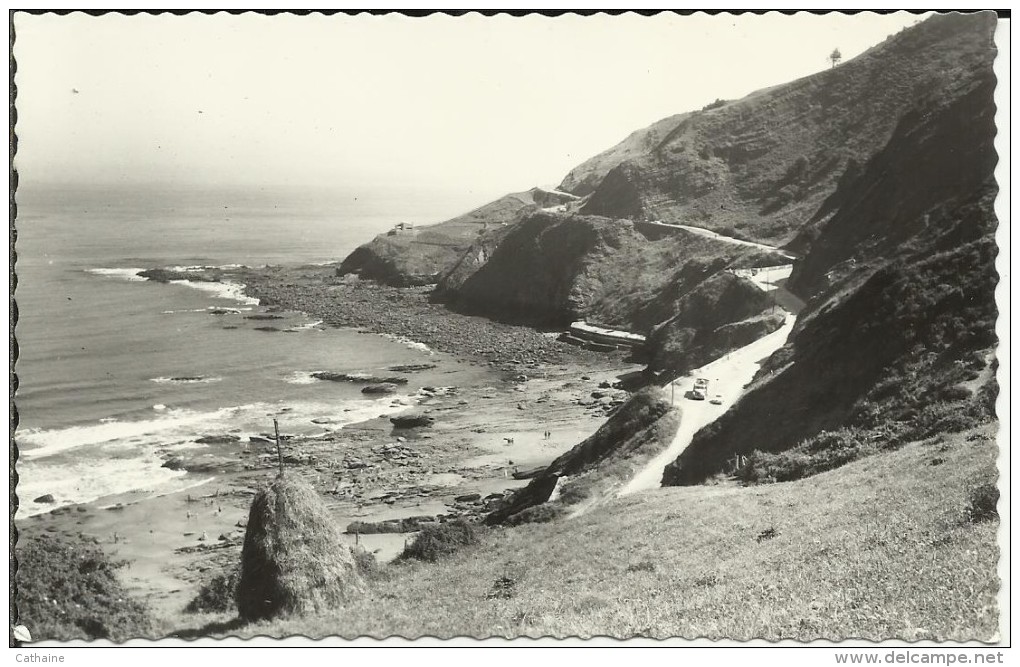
(669, 327)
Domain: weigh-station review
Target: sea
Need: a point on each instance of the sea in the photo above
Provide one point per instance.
(116, 372)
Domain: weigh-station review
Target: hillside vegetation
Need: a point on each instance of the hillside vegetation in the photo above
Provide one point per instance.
(67, 588)
(890, 546)
(904, 328)
(763, 165)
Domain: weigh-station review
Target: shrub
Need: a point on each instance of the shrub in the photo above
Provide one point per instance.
(365, 562)
(576, 490)
(538, 514)
(68, 589)
(642, 566)
(217, 595)
(983, 505)
(825, 451)
(955, 393)
(437, 542)
(714, 105)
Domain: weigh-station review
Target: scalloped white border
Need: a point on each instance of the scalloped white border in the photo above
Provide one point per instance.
(786, 653)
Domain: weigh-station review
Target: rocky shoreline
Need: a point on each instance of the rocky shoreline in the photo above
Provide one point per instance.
(453, 454)
(407, 313)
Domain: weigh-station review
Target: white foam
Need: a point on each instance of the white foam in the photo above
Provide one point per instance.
(112, 457)
(300, 377)
(407, 342)
(47, 442)
(87, 479)
(159, 406)
(122, 274)
(221, 290)
(194, 268)
(310, 325)
(195, 380)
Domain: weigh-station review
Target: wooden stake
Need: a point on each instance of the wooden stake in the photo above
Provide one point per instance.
(279, 449)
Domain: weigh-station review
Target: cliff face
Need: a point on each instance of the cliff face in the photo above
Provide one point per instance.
(553, 268)
(763, 165)
(720, 314)
(898, 341)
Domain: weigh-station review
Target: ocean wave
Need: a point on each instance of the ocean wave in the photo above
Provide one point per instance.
(310, 325)
(300, 377)
(183, 379)
(407, 342)
(195, 268)
(123, 274)
(83, 463)
(176, 426)
(221, 290)
(87, 479)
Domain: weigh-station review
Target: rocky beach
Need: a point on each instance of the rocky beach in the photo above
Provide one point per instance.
(490, 401)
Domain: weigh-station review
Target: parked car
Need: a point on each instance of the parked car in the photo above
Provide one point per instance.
(716, 400)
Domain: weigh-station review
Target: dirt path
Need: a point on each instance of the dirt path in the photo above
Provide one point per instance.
(700, 231)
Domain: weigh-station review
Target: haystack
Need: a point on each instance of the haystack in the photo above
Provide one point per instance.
(294, 559)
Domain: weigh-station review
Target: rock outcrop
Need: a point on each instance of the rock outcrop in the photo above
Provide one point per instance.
(419, 256)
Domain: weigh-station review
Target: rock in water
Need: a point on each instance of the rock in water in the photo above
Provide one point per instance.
(412, 421)
(174, 463)
(381, 388)
(363, 378)
(294, 559)
(217, 439)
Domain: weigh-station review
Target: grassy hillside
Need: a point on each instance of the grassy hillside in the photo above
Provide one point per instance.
(584, 178)
(764, 164)
(890, 546)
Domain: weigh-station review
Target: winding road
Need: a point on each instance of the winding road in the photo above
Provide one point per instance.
(728, 375)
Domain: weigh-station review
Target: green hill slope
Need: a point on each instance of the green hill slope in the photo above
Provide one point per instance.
(886, 547)
(764, 164)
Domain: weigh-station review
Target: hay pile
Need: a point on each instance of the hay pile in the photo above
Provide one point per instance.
(294, 559)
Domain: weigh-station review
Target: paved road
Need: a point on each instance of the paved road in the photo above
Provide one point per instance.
(727, 376)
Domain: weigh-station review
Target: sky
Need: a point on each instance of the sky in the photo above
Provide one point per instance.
(491, 104)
